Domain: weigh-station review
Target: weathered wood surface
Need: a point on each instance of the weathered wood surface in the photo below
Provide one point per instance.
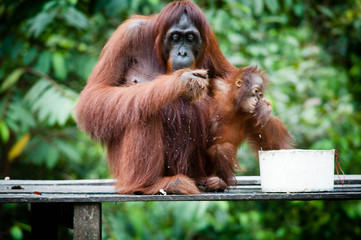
(248, 188)
(88, 221)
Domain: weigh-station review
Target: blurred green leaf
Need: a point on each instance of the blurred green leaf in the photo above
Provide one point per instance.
(44, 104)
(4, 132)
(51, 103)
(17, 49)
(52, 157)
(288, 4)
(298, 8)
(36, 90)
(11, 79)
(6, 44)
(75, 18)
(16, 233)
(326, 11)
(52, 4)
(59, 65)
(18, 147)
(29, 55)
(324, 144)
(19, 118)
(243, 7)
(272, 5)
(37, 24)
(39, 151)
(43, 62)
(68, 150)
(258, 7)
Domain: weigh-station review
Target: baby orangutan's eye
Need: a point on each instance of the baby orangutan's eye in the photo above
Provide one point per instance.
(255, 92)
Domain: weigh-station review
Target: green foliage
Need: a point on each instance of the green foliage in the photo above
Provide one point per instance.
(310, 51)
(52, 10)
(11, 79)
(62, 102)
(4, 131)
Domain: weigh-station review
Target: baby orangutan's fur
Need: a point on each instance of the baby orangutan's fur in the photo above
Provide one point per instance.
(240, 112)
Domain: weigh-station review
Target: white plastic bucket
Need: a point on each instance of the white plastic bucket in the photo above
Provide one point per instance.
(297, 170)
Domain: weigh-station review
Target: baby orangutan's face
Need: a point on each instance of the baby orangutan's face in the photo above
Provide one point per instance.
(253, 95)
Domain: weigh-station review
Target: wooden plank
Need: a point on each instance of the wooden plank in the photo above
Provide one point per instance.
(87, 221)
(97, 189)
(40, 189)
(58, 182)
(228, 196)
(107, 184)
(241, 180)
(249, 188)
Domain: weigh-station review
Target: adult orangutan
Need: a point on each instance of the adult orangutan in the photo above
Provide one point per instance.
(240, 112)
(146, 100)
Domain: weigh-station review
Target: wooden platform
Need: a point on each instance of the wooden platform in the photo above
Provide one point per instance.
(248, 189)
(77, 203)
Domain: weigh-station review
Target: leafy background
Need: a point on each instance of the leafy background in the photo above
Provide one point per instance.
(310, 50)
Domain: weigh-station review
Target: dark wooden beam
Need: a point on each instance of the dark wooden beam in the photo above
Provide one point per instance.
(88, 221)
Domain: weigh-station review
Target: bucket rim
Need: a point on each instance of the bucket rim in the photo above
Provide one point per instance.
(296, 150)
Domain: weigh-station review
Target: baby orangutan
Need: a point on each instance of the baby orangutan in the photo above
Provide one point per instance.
(240, 112)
